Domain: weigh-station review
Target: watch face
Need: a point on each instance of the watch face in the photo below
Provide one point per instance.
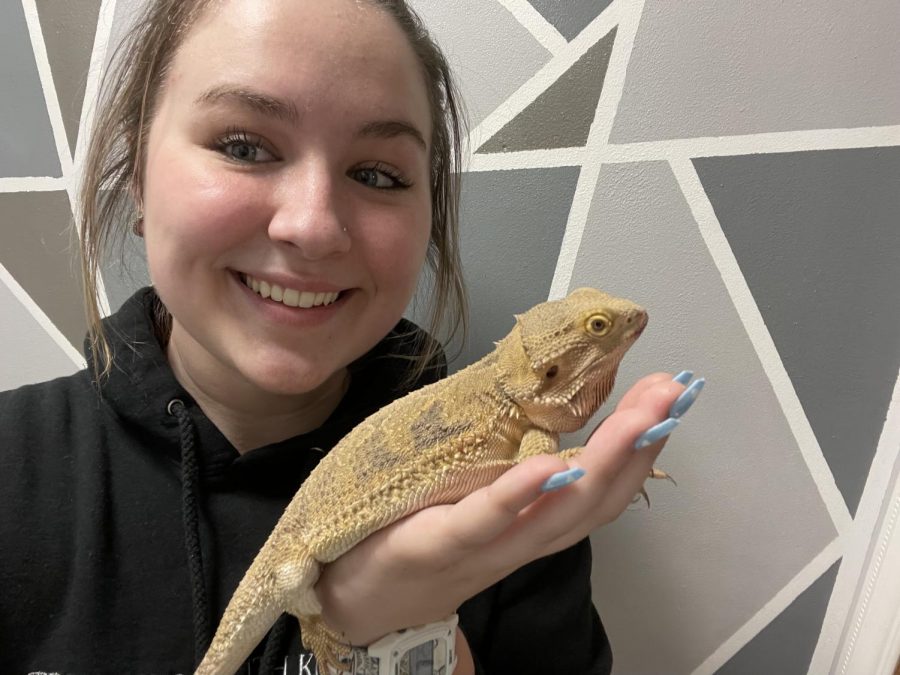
(429, 658)
(424, 650)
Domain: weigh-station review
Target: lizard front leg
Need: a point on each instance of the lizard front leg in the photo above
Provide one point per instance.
(537, 442)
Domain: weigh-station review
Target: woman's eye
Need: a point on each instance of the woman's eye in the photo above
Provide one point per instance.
(380, 178)
(243, 148)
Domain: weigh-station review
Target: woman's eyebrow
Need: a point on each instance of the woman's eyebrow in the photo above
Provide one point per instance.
(257, 101)
(285, 110)
(391, 129)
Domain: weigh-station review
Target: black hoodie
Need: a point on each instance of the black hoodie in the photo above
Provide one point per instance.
(127, 520)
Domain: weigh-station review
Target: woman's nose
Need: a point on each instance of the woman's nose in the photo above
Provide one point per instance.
(309, 217)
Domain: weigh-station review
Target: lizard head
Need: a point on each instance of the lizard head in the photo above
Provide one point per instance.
(559, 363)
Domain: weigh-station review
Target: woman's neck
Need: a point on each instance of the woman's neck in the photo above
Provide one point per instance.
(247, 416)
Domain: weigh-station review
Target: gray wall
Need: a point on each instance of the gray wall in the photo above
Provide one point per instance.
(735, 167)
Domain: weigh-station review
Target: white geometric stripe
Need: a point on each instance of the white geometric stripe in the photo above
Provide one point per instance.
(53, 110)
(629, 17)
(775, 606)
(755, 326)
(686, 148)
(550, 73)
(542, 30)
(42, 319)
(92, 86)
(33, 184)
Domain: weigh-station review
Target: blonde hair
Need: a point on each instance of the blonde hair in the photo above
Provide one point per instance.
(113, 170)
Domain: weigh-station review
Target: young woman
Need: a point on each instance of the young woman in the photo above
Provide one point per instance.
(291, 166)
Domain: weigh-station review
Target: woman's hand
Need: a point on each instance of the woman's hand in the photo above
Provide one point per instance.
(425, 566)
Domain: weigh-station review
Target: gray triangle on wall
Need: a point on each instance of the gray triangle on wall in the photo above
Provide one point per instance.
(39, 252)
(562, 115)
(512, 225)
(69, 29)
(786, 645)
(815, 235)
(572, 16)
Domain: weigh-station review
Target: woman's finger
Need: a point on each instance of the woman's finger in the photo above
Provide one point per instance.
(485, 514)
(633, 396)
(570, 510)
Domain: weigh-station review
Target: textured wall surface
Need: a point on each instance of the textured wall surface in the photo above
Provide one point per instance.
(735, 167)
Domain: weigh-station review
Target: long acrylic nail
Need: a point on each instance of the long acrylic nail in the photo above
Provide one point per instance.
(683, 377)
(656, 432)
(561, 479)
(683, 403)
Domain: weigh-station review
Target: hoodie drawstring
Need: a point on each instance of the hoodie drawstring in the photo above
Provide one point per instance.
(190, 482)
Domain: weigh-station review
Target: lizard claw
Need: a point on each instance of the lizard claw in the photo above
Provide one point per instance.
(642, 493)
(656, 473)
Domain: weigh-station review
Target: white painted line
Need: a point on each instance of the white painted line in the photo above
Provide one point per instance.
(629, 17)
(92, 87)
(43, 320)
(753, 144)
(33, 184)
(88, 108)
(867, 590)
(534, 22)
(46, 76)
(546, 76)
(775, 606)
(527, 159)
(759, 335)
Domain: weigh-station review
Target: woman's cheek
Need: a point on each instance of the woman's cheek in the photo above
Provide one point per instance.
(206, 203)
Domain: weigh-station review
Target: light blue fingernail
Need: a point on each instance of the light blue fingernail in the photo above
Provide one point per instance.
(656, 432)
(683, 403)
(683, 377)
(561, 479)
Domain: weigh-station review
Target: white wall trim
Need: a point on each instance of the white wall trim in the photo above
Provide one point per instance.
(774, 607)
(871, 641)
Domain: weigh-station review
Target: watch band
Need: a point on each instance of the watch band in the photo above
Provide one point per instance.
(423, 650)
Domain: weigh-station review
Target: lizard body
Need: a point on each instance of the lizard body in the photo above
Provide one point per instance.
(433, 446)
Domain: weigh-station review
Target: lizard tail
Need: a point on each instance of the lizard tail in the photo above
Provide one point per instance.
(259, 600)
(232, 644)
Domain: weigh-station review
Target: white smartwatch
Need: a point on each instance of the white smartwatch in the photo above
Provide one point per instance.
(423, 650)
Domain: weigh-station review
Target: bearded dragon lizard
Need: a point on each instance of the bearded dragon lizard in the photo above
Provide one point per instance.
(433, 446)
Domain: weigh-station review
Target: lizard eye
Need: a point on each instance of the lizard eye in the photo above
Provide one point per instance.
(552, 371)
(599, 325)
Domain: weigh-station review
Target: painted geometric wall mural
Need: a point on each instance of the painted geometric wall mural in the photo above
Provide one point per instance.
(37, 249)
(769, 652)
(26, 139)
(651, 249)
(69, 29)
(540, 126)
(816, 236)
(572, 16)
(735, 167)
(728, 68)
(523, 214)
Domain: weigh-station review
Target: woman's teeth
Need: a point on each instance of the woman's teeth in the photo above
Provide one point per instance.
(288, 296)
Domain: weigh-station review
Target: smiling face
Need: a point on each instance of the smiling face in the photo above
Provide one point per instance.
(289, 158)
